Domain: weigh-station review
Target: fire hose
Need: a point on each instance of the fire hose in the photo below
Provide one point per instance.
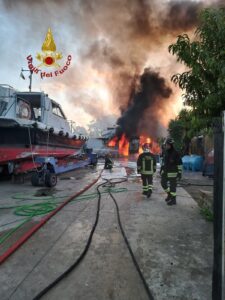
(109, 184)
(36, 227)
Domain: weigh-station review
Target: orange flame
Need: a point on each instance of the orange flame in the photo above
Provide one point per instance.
(155, 148)
(112, 143)
(124, 146)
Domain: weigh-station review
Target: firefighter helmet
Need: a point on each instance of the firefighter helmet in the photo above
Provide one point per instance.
(145, 146)
(169, 141)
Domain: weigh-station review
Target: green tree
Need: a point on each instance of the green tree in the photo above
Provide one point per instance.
(185, 116)
(176, 130)
(181, 131)
(204, 57)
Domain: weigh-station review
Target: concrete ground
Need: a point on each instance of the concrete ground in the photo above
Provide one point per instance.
(173, 246)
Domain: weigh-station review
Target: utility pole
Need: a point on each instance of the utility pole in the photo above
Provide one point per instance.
(30, 77)
(218, 206)
(223, 223)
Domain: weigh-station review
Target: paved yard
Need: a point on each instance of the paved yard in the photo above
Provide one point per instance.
(173, 246)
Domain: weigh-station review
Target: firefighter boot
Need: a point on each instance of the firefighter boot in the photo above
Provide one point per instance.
(168, 197)
(172, 201)
(145, 193)
(149, 193)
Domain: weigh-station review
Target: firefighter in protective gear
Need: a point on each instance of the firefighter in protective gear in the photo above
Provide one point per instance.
(108, 162)
(146, 166)
(171, 170)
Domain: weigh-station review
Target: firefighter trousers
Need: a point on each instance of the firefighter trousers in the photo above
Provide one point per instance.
(146, 183)
(169, 184)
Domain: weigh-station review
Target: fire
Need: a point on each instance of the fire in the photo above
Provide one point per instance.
(124, 146)
(155, 148)
(112, 142)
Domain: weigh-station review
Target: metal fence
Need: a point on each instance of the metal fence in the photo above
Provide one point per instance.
(219, 203)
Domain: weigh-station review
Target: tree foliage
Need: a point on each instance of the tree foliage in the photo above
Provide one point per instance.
(175, 129)
(204, 57)
(180, 130)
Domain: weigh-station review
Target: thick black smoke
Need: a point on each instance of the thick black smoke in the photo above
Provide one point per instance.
(141, 116)
(117, 40)
(181, 15)
(100, 51)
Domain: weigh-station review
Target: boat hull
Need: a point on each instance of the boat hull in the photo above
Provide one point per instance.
(19, 143)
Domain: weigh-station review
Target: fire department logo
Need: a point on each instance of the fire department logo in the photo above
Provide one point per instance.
(49, 56)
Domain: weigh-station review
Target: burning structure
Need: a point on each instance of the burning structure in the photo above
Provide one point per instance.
(133, 144)
(140, 121)
(150, 96)
(122, 65)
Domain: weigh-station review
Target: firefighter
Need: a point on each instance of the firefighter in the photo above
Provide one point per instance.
(108, 162)
(146, 166)
(171, 170)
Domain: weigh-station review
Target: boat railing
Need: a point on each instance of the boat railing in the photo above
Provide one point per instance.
(9, 89)
(72, 125)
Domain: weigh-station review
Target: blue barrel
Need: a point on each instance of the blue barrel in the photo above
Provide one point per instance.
(196, 163)
(185, 161)
(191, 162)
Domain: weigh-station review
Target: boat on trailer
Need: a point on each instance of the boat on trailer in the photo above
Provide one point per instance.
(33, 126)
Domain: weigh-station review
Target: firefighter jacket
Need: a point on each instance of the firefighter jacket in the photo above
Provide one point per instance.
(146, 163)
(172, 163)
(108, 163)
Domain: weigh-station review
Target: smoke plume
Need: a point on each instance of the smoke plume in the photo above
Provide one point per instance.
(113, 42)
(141, 116)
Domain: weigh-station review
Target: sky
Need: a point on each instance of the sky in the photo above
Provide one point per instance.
(109, 41)
(20, 39)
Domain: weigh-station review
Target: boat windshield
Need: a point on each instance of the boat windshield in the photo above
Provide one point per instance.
(3, 106)
(29, 106)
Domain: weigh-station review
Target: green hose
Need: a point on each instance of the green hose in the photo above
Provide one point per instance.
(38, 209)
(29, 211)
(35, 209)
(20, 196)
(8, 234)
(42, 204)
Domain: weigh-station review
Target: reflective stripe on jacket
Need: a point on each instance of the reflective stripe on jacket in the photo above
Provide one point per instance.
(146, 163)
(172, 163)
